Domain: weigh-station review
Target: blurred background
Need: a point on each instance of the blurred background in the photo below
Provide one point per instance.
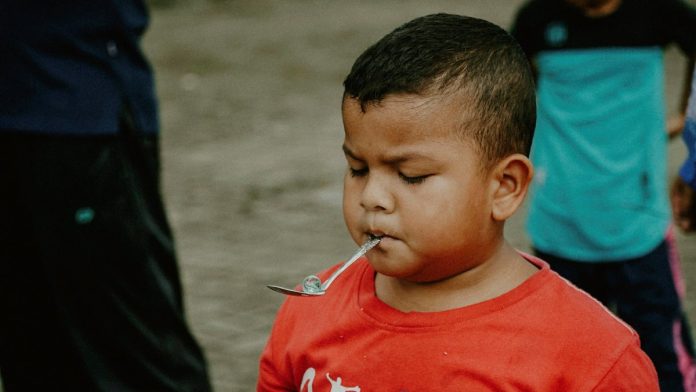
(252, 177)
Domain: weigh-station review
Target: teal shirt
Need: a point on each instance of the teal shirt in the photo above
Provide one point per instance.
(600, 191)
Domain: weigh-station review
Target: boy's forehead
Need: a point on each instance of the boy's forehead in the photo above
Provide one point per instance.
(393, 156)
(406, 120)
(431, 114)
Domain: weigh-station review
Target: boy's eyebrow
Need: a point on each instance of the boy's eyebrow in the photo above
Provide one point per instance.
(390, 160)
(349, 153)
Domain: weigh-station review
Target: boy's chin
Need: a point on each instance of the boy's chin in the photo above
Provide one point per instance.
(394, 268)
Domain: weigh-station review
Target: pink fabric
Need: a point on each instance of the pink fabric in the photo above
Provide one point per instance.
(675, 262)
(685, 361)
(686, 364)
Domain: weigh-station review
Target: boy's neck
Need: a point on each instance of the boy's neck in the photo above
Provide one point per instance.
(503, 272)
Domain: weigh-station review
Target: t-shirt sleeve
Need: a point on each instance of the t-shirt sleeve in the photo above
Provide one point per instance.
(632, 372)
(272, 377)
(680, 21)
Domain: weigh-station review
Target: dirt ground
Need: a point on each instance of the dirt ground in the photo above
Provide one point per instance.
(250, 94)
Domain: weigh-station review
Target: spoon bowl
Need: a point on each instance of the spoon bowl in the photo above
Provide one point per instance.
(287, 291)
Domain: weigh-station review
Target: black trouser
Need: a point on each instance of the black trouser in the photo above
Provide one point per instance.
(642, 292)
(89, 286)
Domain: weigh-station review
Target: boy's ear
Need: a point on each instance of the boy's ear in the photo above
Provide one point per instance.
(511, 179)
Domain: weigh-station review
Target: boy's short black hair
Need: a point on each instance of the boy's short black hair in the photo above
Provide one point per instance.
(443, 54)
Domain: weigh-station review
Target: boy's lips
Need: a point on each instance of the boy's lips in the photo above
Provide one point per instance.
(380, 234)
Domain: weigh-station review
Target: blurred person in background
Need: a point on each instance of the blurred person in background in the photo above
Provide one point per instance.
(599, 211)
(90, 294)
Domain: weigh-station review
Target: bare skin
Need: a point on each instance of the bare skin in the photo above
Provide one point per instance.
(683, 199)
(596, 8)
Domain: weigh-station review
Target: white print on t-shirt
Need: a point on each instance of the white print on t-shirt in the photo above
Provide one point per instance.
(308, 379)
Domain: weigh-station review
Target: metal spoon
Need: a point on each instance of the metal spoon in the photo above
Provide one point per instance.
(312, 285)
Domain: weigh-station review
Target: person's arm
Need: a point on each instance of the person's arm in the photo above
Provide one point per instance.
(683, 192)
(683, 199)
(675, 124)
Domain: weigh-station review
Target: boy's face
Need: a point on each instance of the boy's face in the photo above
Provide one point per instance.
(411, 180)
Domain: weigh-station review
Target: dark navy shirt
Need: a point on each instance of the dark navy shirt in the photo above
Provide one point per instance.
(72, 67)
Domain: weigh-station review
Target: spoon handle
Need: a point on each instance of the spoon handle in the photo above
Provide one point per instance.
(364, 248)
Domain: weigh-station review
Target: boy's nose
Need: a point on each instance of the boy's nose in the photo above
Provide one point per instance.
(376, 195)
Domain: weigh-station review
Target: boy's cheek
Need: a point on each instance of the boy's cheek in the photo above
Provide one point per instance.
(350, 214)
(351, 195)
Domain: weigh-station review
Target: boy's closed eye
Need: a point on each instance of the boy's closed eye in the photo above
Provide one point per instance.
(358, 172)
(411, 180)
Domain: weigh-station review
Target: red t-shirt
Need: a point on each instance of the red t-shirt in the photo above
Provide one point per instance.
(544, 335)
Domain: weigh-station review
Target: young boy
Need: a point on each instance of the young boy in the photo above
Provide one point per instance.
(439, 117)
